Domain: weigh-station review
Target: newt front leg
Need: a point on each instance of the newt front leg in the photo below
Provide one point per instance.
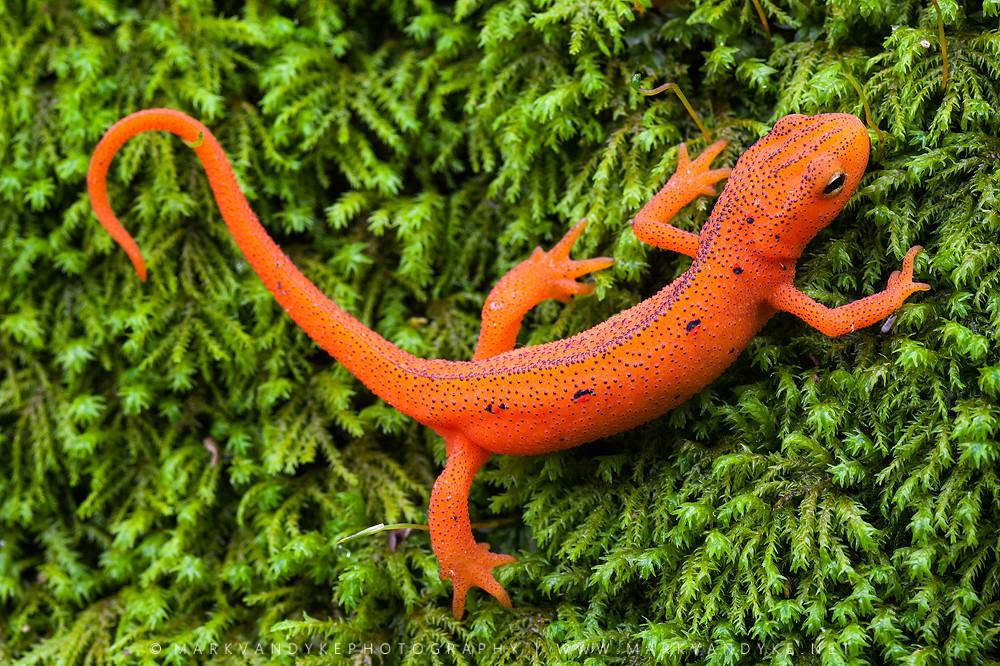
(542, 276)
(864, 312)
(690, 181)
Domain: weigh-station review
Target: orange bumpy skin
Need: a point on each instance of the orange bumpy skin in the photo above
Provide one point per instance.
(623, 372)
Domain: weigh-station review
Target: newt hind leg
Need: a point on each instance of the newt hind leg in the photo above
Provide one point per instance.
(464, 562)
(542, 276)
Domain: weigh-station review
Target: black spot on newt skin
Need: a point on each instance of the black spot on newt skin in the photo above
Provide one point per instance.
(503, 405)
(691, 325)
(749, 220)
(489, 408)
(737, 270)
(583, 394)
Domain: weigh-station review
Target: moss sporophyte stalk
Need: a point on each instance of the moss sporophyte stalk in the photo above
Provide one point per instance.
(830, 497)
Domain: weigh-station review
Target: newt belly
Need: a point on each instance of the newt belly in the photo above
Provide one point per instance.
(632, 368)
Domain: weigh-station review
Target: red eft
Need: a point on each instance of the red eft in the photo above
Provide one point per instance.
(632, 368)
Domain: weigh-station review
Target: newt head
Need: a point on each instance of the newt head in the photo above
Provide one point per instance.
(795, 180)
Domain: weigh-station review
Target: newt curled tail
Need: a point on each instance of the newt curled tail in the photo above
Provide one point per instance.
(386, 369)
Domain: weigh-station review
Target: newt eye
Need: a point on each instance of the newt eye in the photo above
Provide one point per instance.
(836, 184)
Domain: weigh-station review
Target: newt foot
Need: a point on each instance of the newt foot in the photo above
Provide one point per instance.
(557, 272)
(901, 281)
(695, 176)
(476, 570)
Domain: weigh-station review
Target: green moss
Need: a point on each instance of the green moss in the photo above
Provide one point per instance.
(830, 501)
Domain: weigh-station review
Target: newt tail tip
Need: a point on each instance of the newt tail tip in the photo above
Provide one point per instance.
(140, 268)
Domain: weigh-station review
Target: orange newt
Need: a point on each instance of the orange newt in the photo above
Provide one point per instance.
(632, 368)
